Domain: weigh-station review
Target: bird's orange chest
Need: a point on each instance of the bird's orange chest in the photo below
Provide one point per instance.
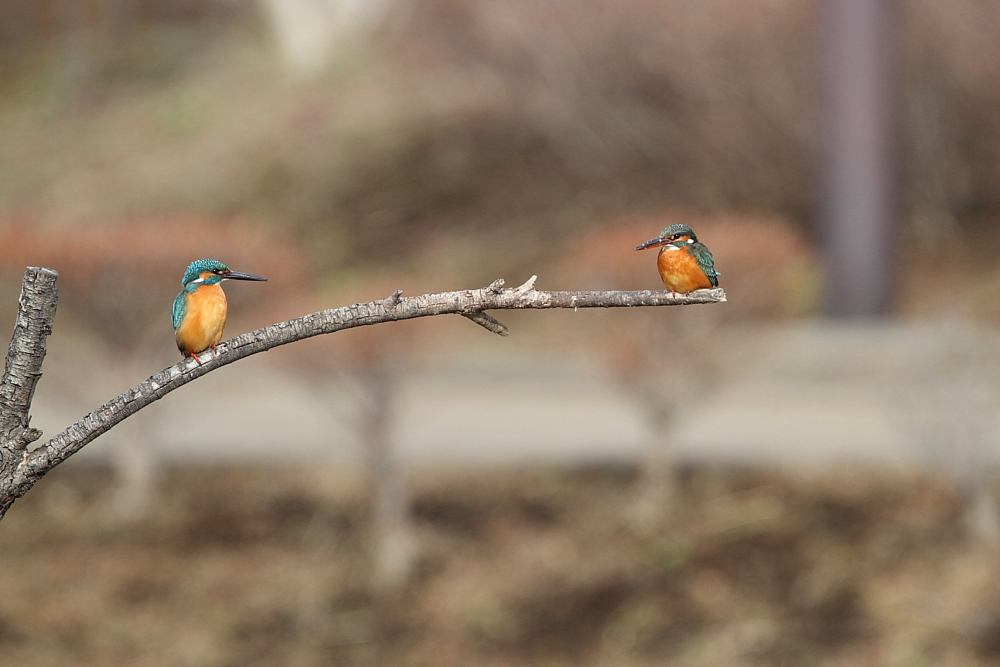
(680, 271)
(204, 319)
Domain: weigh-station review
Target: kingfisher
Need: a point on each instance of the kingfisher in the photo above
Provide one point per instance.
(199, 313)
(685, 265)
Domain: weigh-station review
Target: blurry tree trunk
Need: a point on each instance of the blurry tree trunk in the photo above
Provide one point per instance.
(391, 536)
(376, 363)
(131, 448)
(966, 418)
(981, 511)
(308, 31)
(663, 384)
(95, 19)
(46, 21)
(658, 476)
(947, 403)
(145, 14)
(931, 159)
(134, 464)
(858, 110)
(133, 459)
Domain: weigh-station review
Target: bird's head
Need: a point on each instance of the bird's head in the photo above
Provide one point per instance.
(678, 234)
(211, 272)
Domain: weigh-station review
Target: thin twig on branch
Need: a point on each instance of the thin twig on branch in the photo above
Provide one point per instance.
(20, 469)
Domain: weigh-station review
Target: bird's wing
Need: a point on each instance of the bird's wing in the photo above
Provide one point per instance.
(180, 305)
(705, 261)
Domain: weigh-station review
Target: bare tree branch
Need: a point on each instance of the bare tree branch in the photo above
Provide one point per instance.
(38, 309)
(35, 315)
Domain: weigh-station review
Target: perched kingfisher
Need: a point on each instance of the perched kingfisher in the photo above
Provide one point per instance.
(200, 309)
(685, 265)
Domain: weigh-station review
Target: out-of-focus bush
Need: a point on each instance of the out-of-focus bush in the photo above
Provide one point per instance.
(516, 123)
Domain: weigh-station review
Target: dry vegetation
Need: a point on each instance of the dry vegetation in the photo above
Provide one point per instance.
(265, 567)
(509, 125)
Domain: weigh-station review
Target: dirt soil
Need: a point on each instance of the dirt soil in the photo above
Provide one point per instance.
(544, 567)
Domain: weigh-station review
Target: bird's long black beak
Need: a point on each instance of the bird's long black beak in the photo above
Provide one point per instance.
(653, 243)
(236, 275)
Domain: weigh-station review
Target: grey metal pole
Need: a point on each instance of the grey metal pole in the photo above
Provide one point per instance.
(858, 170)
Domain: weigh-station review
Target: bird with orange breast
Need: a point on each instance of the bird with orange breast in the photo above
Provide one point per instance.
(685, 265)
(199, 313)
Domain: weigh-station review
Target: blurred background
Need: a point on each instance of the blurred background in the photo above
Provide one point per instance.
(804, 475)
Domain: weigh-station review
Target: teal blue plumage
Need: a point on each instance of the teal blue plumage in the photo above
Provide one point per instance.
(180, 307)
(705, 261)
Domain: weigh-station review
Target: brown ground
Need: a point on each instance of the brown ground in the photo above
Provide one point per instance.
(255, 567)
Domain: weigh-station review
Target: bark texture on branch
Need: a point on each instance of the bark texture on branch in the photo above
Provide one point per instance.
(469, 303)
(35, 315)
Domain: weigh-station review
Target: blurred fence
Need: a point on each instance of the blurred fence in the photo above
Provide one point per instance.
(30, 24)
